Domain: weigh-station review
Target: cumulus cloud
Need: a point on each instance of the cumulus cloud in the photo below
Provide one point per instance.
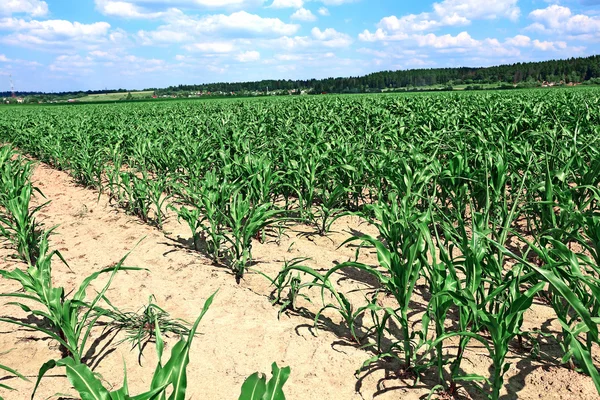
(331, 38)
(519, 41)
(35, 8)
(323, 11)
(186, 29)
(448, 13)
(57, 35)
(55, 29)
(138, 8)
(560, 20)
(67, 63)
(303, 14)
(239, 22)
(477, 9)
(248, 56)
(548, 46)
(129, 10)
(163, 36)
(463, 39)
(287, 4)
(211, 47)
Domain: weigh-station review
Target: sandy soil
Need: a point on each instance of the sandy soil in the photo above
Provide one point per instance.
(241, 333)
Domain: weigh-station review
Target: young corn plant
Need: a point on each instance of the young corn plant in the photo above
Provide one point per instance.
(71, 319)
(401, 256)
(244, 221)
(330, 297)
(574, 293)
(138, 195)
(504, 323)
(329, 207)
(194, 221)
(19, 226)
(205, 216)
(169, 380)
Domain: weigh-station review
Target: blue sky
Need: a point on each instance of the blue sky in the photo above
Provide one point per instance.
(57, 45)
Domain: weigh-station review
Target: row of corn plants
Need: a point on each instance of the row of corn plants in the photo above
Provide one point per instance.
(71, 319)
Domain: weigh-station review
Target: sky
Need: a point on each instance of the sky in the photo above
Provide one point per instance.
(64, 45)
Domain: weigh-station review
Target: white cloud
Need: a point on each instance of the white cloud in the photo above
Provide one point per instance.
(211, 47)
(331, 38)
(287, 4)
(124, 9)
(560, 20)
(51, 29)
(552, 17)
(478, 9)
(136, 8)
(446, 13)
(163, 36)
(463, 39)
(337, 2)
(59, 35)
(378, 35)
(549, 46)
(35, 8)
(289, 57)
(182, 28)
(118, 64)
(66, 62)
(248, 56)
(519, 41)
(26, 63)
(240, 21)
(303, 14)
(104, 55)
(323, 11)
(288, 43)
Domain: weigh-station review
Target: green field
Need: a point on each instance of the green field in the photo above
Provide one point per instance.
(486, 208)
(115, 96)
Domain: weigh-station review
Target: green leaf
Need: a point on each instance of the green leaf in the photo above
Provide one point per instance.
(275, 385)
(254, 387)
(84, 381)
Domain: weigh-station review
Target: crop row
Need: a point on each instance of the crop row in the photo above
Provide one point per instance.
(71, 318)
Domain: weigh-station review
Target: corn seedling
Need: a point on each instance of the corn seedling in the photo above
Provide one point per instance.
(168, 382)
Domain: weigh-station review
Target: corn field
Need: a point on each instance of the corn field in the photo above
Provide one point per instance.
(484, 205)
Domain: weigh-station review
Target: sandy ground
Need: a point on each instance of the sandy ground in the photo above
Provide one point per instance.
(241, 333)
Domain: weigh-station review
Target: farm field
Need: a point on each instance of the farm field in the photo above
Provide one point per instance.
(391, 246)
(116, 96)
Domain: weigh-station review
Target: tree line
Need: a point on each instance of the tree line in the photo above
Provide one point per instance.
(573, 70)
